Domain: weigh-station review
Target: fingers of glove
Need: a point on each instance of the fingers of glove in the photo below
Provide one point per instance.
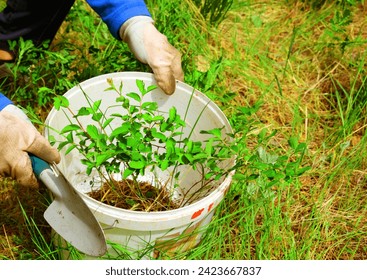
(41, 148)
(163, 58)
(19, 167)
(165, 79)
(15, 134)
(18, 135)
(6, 56)
(152, 47)
(166, 73)
(23, 171)
(176, 67)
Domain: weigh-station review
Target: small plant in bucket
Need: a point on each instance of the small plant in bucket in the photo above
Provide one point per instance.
(132, 142)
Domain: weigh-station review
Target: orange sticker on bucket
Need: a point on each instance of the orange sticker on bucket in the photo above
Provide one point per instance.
(210, 207)
(197, 214)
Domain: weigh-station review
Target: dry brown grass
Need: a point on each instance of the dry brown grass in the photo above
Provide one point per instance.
(15, 239)
(323, 212)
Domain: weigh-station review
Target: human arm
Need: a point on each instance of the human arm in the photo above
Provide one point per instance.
(18, 137)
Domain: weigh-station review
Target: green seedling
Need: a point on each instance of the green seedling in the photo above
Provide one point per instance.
(147, 140)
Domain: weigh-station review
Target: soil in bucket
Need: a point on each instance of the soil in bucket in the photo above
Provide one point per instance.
(135, 195)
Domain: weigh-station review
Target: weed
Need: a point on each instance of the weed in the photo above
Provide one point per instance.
(214, 11)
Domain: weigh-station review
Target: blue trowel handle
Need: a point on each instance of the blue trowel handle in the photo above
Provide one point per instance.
(38, 165)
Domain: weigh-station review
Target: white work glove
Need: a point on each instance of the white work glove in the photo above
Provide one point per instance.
(18, 137)
(152, 47)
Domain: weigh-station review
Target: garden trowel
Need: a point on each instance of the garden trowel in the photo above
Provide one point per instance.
(68, 214)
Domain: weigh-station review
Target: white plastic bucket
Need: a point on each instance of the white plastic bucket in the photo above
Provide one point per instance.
(145, 234)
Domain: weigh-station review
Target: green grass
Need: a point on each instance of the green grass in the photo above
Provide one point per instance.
(303, 61)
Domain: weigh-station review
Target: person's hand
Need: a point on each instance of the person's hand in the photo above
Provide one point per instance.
(18, 137)
(152, 47)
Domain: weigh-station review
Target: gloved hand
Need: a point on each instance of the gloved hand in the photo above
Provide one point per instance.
(152, 47)
(18, 137)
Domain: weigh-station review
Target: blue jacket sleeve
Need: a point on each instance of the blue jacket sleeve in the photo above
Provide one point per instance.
(115, 12)
(4, 101)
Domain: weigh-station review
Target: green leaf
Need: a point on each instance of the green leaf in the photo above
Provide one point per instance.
(189, 146)
(133, 109)
(200, 156)
(107, 122)
(83, 111)
(159, 135)
(88, 164)
(266, 157)
(52, 139)
(72, 147)
(116, 115)
(187, 158)
(174, 134)
(132, 143)
(209, 147)
(269, 173)
(303, 170)
(170, 147)
(136, 155)
(60, 101)
(301, 147)
(215, 132)
(239, 176)
(262, 134)
(96, 105)
(151, 87)
(70, 127)
(144, 147)
(62, 145)
(120, 98)
(121, 86)
(93, 131)
(164, 164)
(126, 103)
(134, 96)
(70, 137)
(137, 164)
(149, 106)
(172, 115)
(197, 148)
(97, 117)
(256, 20)
(121, 130)
(128, 172)
(102, 158)
(293, 142)
(146, 117)
(141, 86)
(163, 127)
